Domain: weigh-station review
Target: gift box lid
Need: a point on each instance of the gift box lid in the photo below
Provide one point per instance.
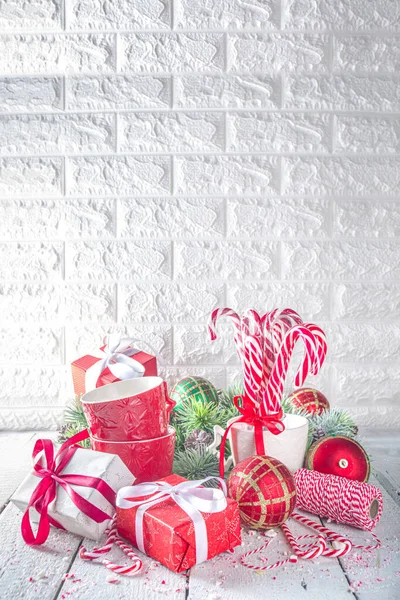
(87, 361)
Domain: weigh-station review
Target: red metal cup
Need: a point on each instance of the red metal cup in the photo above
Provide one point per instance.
(134, 409)
(148, 460)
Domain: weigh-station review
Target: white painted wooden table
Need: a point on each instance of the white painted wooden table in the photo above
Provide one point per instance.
(28, 573)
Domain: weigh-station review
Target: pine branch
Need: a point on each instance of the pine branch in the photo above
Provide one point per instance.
(75, 421)
(68, 431)
(180, 433)
(193, 464)
(337, 421)
(225, 400)
(196, 414)
(74, 414)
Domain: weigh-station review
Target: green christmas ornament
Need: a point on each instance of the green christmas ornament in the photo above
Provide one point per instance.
(194, 388)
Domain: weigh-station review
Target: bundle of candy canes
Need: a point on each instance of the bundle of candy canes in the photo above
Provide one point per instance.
(265, 344)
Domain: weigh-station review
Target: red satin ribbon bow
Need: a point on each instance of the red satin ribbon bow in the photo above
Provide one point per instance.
(49, 469)
(273, 423)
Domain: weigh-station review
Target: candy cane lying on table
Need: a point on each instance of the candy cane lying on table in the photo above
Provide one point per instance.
(346, 544)
(279, 563)
(312, 550)
(113, 538)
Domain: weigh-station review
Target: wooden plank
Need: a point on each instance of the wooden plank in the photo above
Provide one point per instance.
(91, 579)
(224, 577)
(19, 562)
(384, 450)
(15, 450)
(376, 574)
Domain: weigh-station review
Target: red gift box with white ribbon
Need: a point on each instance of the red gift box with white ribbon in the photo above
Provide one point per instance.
(178, 522)
(117, 360)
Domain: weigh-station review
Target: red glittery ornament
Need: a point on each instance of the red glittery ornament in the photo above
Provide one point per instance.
(340, 456)
(310, 400)
(265, 491)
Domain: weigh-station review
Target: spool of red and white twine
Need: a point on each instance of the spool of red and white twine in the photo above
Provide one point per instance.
(113, 538)
(339, 499)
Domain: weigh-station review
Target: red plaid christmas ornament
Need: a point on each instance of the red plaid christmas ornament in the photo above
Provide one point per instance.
(265, 491)
(310, 400)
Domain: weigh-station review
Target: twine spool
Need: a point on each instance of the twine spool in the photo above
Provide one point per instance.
(338, 498)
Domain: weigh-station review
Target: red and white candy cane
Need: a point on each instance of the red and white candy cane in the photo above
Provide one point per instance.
(113, 538)
(255, 362)
(321, 344)
(345, 543)
(251, 323)
(244, 327)
(313, 550)
(274, 390)
(279, 563)
(275, 325)
(223, 312)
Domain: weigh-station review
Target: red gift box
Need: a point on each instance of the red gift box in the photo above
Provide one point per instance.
(80, 367)
(169, 533)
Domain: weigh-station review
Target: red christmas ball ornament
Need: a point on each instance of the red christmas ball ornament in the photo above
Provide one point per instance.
(310, 400)
(340, 456)
(265, 491)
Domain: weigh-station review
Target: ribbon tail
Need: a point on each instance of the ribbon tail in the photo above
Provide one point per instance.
(259, 438)
(43, 528)
(222, 451)
(43, 495)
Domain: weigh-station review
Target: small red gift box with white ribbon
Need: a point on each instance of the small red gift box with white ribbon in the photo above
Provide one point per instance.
(117, 360)
(178, 522)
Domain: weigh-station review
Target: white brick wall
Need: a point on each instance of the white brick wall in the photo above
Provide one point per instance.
(159, 158)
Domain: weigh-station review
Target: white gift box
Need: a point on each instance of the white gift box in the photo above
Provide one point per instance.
(107, 467)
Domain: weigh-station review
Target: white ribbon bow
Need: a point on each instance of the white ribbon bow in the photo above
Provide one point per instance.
(191, 498)
(116, 356)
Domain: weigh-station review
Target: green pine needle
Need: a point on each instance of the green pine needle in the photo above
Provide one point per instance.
(196, 414)
(75, 421)
(180, 433)
(337, 421)
(225, 397)
(68, 431)
(196, 465)
(225, 400)
(74, 414)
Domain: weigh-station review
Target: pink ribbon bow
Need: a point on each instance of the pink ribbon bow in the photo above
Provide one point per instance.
(51, 476)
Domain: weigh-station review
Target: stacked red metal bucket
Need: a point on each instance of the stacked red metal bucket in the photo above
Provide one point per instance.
(130, 418)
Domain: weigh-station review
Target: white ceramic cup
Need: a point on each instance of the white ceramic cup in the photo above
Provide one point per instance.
(289, 446)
